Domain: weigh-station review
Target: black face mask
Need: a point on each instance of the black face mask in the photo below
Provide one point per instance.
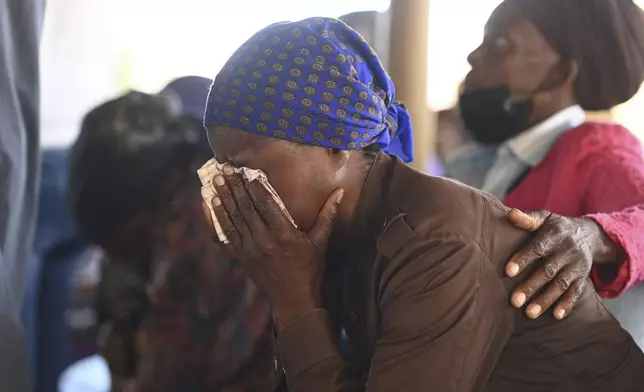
(491, 116)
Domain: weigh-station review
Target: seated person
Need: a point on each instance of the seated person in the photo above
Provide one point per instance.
(408, 267)
(176, 315)
(541, 65)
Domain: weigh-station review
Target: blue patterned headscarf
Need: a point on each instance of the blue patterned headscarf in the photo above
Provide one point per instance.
(314, 82)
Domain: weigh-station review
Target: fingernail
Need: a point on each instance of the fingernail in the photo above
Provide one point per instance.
(216, 201)
(340, 197)
(519, 300)
(559, 314)
(513, 270)
(228, 170)
(534, 311)
(219, 180)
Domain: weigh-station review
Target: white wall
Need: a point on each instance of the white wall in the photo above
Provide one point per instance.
(78, 65)
(455, 30)
(93, 49)
(169, 38)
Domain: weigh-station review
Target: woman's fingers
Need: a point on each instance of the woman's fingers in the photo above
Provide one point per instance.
(565, 263)
(540, 247)
(323, 227)
(269, 210)
(529, 221)
(553, 292)
(244, 202)
(227, 225)
(569, 299)
(207, 215)
(235, 216)
(537, 281)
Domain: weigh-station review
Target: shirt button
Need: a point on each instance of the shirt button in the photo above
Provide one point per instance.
(276, 364)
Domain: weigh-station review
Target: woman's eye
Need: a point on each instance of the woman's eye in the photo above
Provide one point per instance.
(500, 42)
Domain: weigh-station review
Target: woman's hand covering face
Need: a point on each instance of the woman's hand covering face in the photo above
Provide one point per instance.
(285, 263)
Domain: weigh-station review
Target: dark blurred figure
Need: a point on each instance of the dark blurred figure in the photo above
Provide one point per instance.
(177, 315)
(20, 30)
(58, 249)
(540, 66)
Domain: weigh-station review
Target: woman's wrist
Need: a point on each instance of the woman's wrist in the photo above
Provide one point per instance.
(605, 251)
(285, 312)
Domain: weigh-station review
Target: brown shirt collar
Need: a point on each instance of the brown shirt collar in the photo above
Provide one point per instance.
(369, 216)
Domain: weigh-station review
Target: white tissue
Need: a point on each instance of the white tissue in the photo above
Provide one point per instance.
(208, 191)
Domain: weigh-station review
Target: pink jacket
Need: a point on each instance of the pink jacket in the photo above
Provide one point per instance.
(597, 171)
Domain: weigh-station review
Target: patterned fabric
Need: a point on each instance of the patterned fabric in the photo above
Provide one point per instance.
(315, 82)
(204, 325)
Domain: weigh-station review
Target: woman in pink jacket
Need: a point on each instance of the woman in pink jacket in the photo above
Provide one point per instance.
(540, 66)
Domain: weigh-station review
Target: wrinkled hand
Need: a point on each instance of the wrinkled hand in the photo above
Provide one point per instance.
(284, 262)
(566, 248)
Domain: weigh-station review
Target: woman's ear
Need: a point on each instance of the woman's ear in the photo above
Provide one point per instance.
(564, 73)
(572, 70)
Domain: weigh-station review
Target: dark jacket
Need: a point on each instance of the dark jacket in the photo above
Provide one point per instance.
(425, 305)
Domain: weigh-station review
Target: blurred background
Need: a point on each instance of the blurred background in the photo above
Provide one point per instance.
(93, 50)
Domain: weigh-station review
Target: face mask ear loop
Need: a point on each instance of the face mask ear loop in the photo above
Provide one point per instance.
(508, 104)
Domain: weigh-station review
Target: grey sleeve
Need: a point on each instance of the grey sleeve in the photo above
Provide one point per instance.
(20, 30)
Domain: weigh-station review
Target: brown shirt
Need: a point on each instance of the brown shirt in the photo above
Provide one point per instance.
(425, 305)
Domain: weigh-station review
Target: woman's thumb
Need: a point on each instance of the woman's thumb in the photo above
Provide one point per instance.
(529, 221)
(321, 231)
